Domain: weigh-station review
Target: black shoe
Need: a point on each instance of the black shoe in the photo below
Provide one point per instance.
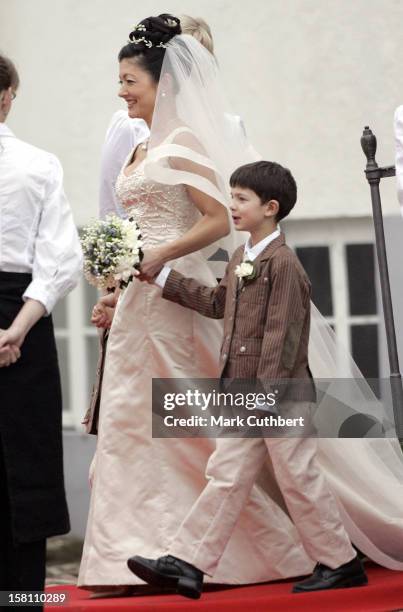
(169, 573)
(351, 574)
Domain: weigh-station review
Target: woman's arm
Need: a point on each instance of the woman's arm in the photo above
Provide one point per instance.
(213, 225)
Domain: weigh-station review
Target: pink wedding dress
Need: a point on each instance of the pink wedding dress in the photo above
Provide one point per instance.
(144, 487)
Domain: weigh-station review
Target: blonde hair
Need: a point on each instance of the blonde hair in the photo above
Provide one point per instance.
(197, 27)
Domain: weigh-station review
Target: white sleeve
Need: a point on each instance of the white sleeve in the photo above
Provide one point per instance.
(399, 153)
(57, 262)
(161, 279)
(122, 136)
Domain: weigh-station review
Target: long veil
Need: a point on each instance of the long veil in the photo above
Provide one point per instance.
(366, 474)
(196, 140)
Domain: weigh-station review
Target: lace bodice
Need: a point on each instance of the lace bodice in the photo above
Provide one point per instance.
(163, 212)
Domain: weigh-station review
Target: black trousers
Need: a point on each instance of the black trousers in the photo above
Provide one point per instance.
(22, 565)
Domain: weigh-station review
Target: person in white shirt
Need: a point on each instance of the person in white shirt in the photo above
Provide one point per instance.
(40, 262)
(122, 137)
(398, 123)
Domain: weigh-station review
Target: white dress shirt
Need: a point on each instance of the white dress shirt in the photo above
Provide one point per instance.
(122, 137)
(399, 153)
(37, 231)
(250, 254)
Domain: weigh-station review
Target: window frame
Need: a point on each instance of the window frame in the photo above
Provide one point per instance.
(336, 234)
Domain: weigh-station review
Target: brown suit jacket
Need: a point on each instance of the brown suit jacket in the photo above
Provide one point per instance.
(266, 320)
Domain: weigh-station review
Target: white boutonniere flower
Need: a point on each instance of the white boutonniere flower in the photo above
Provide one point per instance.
(245, 271)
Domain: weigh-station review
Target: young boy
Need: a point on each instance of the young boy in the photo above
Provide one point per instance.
(266, 333)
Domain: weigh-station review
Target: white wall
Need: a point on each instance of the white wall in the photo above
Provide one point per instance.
(306, 75)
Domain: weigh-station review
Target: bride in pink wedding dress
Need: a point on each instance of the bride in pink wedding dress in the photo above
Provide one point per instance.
(175, 186)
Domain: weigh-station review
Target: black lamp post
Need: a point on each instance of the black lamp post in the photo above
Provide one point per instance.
(374, 175)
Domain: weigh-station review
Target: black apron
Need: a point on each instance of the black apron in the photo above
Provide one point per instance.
(31, 424)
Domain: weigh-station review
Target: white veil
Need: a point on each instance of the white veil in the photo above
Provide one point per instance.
(196, 141)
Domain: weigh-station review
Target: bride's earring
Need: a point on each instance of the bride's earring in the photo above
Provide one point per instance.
(163, 95)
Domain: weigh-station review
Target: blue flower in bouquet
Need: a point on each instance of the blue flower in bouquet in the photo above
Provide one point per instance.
(112, 252)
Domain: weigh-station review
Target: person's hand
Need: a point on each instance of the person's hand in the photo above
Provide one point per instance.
(11, 336)
(102, 316)
(103, 311)
(152, 263)
(9, 355)
(9, 351)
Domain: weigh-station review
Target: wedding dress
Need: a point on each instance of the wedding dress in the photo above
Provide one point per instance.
(142, 486)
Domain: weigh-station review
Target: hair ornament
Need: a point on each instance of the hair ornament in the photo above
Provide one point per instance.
(146, 41)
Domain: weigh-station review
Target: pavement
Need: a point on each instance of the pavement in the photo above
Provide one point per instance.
(63, 560)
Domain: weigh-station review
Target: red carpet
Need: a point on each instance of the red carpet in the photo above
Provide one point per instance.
(383, 594)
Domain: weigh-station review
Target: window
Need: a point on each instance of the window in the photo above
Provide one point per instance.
(361, 279)
(339, 258)
(316, 262)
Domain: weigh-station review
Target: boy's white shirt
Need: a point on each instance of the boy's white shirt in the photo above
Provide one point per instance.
(250, 254)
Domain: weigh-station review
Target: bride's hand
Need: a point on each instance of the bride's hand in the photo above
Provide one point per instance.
(103, 311)
(102, 316)
(110, 299)
(152, 263)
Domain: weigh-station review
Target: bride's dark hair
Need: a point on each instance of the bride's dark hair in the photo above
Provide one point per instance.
(148, 40)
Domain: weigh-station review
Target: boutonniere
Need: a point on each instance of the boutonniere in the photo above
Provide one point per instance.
(246, 271)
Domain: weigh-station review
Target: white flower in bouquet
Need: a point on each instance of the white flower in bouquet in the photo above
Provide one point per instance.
(112, 252)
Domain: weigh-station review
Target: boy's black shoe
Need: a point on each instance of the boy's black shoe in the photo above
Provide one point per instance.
(351, 574)
(169, 573)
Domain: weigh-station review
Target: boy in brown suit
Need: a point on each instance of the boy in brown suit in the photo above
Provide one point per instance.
(264, 299)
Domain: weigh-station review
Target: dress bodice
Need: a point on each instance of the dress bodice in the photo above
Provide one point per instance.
(163, 212)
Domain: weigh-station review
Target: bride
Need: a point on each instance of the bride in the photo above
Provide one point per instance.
(175, 186)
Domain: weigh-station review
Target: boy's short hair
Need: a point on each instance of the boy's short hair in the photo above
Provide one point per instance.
(270, 181)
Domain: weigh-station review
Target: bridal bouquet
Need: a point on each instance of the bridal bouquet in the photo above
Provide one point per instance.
(112, 252)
